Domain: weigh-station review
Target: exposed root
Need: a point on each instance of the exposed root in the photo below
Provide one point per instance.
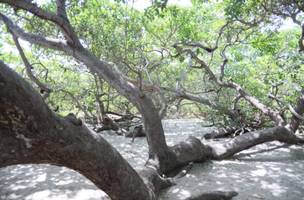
(184, 171)
(215, 195)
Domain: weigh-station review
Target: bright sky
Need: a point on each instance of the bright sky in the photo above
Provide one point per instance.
(142, 4)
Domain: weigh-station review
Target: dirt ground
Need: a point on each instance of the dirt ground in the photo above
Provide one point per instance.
(269, 171)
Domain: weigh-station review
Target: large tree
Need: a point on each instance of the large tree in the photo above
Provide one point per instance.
(32, 133)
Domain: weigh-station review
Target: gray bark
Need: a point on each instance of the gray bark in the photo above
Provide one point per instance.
(24, 119)
(297, 117)
(158, 149)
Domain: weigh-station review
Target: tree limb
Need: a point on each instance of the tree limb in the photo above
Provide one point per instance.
(247, 140)
(33, 38)
(28, 67)
(272, 113)
(60, 19)
(297, 117)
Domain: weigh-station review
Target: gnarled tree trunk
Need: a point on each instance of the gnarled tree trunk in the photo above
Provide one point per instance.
(31, 133)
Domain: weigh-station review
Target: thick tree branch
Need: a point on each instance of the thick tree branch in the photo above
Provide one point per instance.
(60, 20)
(61, 10)
(228, 149)
(158, 149)
(33, 38)
(198, 45)
(31, 133)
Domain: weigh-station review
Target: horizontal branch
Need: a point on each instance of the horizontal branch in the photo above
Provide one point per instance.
(199, 99)
(198, 45)
(189, 96)
(33, 38)
(279, 133)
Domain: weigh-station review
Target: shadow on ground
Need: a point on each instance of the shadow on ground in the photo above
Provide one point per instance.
(270, 171)
(276, 174)
(45, 182)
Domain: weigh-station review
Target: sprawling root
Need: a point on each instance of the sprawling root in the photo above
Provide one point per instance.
(215, 195)
(228, 132)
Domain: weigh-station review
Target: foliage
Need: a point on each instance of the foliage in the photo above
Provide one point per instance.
(260, 53)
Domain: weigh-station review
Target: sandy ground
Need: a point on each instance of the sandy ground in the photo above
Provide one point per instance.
(268, 172)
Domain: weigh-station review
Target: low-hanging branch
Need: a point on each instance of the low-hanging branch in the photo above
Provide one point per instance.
(157, 144)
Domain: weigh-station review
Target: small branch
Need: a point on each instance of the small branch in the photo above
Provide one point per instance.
(28, 67)
(223, 68)
(240, 156)
(78, 104)
(272, 113)
(301, 40)
(297, 112)
(199, 45)
(236, 101)
(184, 171)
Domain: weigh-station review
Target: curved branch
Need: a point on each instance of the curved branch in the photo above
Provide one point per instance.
(79, 105)
(31, 133)
(60, 19)
(272, 113)
(28, 67)
(247, 140)
(158, 149)
(297, 115)
(33, 38)
(195, 98)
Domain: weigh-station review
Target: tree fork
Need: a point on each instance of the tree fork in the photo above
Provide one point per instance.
(159, 153)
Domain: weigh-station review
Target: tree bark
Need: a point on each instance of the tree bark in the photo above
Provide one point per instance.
(24, 119)
(158, 149)
(222, 150)
(297, 117)
(100, 110)
(34, 134)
